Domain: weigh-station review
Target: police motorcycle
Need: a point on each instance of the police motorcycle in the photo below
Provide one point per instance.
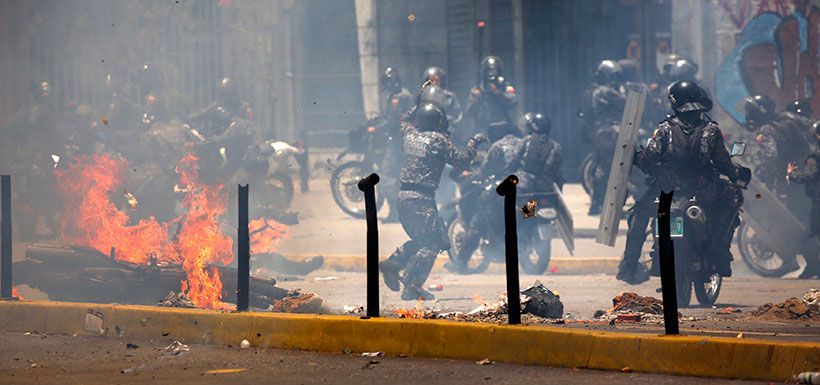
(690, 232)
(536, 229)
(365, 154)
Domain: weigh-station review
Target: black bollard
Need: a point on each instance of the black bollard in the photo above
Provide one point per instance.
(368, 186)
(243, 252)
(5, 237)
(507, 190)
(666, 251)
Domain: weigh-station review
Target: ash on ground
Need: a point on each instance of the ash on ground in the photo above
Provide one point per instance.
(176, 299)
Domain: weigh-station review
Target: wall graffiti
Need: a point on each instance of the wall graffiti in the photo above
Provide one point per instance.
(775, 55)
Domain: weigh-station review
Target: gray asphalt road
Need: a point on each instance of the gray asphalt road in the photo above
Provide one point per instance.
(56, 359)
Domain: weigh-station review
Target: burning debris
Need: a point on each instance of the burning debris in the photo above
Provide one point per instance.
(541, 302)
(793, 309)
(175, 299)
(198, 244)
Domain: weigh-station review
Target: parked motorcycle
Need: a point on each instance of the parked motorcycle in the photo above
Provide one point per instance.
(367, 145)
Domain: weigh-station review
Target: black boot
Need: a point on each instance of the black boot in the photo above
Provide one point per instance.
(632, 272)
(391, 274)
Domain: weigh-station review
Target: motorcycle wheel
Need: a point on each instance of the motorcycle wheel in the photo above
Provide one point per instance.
(280, 193)
(476, 264)
(536, 256)
(760, 259)
(588, 172)
(344, 188)
(707, 292)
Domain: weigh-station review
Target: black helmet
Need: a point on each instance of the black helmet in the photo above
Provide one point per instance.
(430, 118)
(435, 95)
(800, 107)
(759, 109)
(670, 60)
(686, 96)
(629, 70)
(535, 123)
(608, 72)
(491, 66)
(391, 80)
(682, 69)
(227, 93)
(432, 73)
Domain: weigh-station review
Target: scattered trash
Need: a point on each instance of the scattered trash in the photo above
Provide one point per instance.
(626, 369)
(245, 344)
(372, 354)
(437, 287)
(93, 322)
(226, 371)
(729, 310)
(325, 278)
(554, 270)
(174, 299)
(485, 361)
(809, 378)
(126, 371)
(176, 348)
(355, 309)
(347, 351)
(812, 297)
(542, 302)
(739, 335)
(298, 302)
(528, 210)
(598, 313)
(626, 302)
(130, 345)
(33, 365)
(56, 159)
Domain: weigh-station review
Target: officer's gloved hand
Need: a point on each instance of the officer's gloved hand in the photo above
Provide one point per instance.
(479, 138)
(744, 174)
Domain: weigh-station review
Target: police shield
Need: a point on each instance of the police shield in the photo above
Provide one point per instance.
(618, 182)
(563, 218)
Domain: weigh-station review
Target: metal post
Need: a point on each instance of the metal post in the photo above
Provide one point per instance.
(666, 249)
(5, 237)
(507, 190)
(244, 252)
(368, 186)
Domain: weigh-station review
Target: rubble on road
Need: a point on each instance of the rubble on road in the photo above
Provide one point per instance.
(793, 309)
(175, 299)
(626, 302)
(297, 302)
(542, 302)
(176, 348)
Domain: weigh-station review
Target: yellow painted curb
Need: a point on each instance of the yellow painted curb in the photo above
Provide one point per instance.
(563, 266)
(534, 345)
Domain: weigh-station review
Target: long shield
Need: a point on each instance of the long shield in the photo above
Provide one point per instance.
(774, 223)
(618, 182)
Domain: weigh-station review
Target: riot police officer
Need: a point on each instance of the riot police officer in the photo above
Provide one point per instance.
(783, 141)
(542, 157)
(398, 100)
(809, 176)
(687, 152)
(607, 105)
(760, 110)
(427, 147)
(493, 101)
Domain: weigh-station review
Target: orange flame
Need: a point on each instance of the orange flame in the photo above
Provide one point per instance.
(200, 241)
(418, 312)
(92, 219)
(16, 294)
(265, 235)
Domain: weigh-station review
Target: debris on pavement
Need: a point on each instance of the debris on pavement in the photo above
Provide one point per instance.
(176, 348)
(628, 318)
(130, 345)
(626, 302)
(372, 354)
(528, 209)
(809, 378)
(370, 364)
(245, 344)
(325, 279)
(298, 302)
(436, 287)
(127, 370)
(485, 361)
(812, 297)
(93, 322)
(792, 309)
(542, 302)
(176, 299)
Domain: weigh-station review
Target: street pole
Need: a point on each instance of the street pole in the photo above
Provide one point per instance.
(666, 249)
(367, 185)
(507, 190)
(5, 237)
(244, 252)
